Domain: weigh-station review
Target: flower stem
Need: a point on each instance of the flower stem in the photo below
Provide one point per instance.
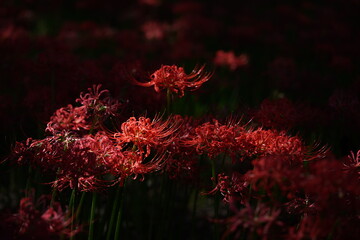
(113, 212)
(72, 209)
(92, 215)
(53, 195)
(78, 210)
(118, 221)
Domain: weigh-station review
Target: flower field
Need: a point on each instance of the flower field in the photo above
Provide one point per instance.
(156, 119)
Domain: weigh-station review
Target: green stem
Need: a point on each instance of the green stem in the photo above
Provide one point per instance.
(72, 199)
(113, 212)
(119, 216)
(72, 209)
(53, 195)
(78, 210)
(92, 216)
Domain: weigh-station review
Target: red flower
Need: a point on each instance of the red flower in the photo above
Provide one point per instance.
(229, 59)
(229, 187)
(135, 163)
(77, 161)
(96, 106)
(38, 220)
(215, 138)
(269, 142)
(274, 172)
(99, 102)
(260, 220)
(183, 161)
(175, 79)
(146, 133)
(69, 118)
(353, 164)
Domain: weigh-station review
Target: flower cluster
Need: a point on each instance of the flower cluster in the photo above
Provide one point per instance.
(236, 140)
(95, 107)
(81, 154)
(39, 220)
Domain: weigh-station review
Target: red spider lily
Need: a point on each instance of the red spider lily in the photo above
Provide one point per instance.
(229, 187)
(134, 163)
(260, 220)
(274, 172)
(329, 185)
(35, 222)
(96, 102)
(214, 138)
(78, 165)
(146, 133)
(302, 205)
(69, 118)
(175, 79)
(82, 183)
(229, 59)
(95, 107)
(266, 142)
(183, 161)
(73, 159)
(180, 145)
(20, 153)
(353, 164)
(331, 203)
(106, 151)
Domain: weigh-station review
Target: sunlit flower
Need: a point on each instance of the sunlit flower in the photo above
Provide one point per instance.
(135, 164)
(68, 118)
(175, 79)
(96, 105)
(98, 101)
(145, 133)
(214, 138)
(76, 161)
